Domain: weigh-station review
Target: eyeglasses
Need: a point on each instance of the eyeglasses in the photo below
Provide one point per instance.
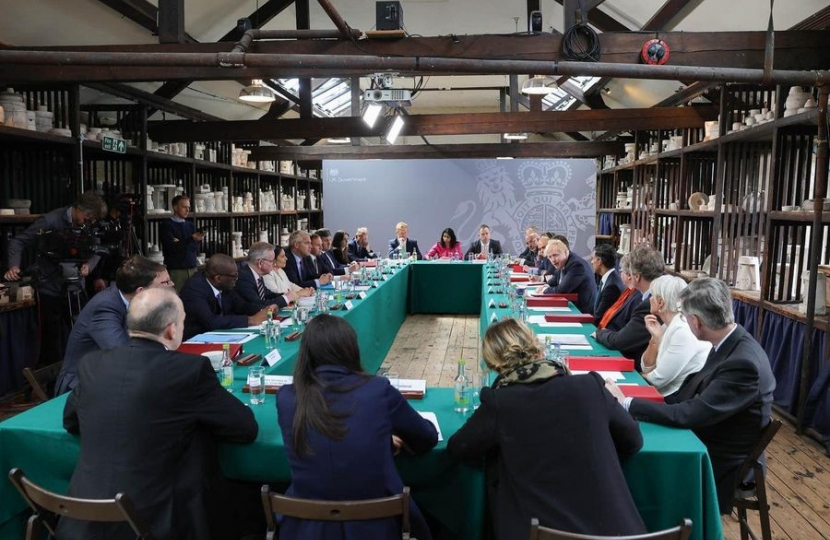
(269, 261)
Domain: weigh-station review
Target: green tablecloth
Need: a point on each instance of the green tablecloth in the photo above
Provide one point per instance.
(445, 287)
(670, 478)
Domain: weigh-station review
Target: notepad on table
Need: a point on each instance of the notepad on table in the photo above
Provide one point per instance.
(541, 321)
(565, 339)
(222, 337)
(613, 375)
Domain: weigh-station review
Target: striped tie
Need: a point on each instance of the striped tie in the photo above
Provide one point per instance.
(260, 287)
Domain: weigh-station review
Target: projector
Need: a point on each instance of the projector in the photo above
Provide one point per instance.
(399, 97)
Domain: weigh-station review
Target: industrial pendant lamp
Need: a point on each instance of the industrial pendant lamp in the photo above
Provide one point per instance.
(257, 93)
(539, 85)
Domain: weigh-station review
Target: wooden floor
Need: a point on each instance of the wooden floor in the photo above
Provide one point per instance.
(798, 482)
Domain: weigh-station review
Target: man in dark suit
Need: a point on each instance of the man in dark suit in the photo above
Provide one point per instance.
(531, 252)
(359, 249)
(323, 262)
(575, 276)
(212, 303)
(149, 419)
(632, 340)
(300, 267)
(401, 244)
(604, 262)
(728, 402)
(484, 245)
(102, 323)
(250, 285)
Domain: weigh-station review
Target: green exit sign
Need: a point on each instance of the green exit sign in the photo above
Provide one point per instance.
(111, 144)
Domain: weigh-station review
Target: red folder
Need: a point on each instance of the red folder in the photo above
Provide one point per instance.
(567, 296)
(199, 348)
(519, 278)
(569, 317)
(642, 392)
(369, 264)
(547, 302)
(518, 268)
(594, 363)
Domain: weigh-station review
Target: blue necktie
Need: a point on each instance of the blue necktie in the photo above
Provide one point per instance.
(300, 268)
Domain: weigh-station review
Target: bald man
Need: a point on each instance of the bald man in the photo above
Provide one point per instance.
(149, 419)
(212, 303)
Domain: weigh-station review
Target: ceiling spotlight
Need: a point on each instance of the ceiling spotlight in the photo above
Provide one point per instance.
(515, 136)
(539, 85)
(257, 93)
(395, 130)
(371, 114)
(339, 140)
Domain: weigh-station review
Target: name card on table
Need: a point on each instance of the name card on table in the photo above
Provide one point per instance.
(362, 296)
(273, 357)
(492, 303)
(412, 388)
(273, 383)
(348, 305)
(376, 284)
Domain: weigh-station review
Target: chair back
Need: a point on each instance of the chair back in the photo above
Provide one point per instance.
(753, 459)
(41, 379)
(275, 503)
(681, 532)
(119, 509)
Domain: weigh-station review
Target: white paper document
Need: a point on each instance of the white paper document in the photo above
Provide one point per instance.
(430, 416)
(222, 337)
(547, 308)
(540, 320)
(566, 339)
(613, 375)
(278, 380)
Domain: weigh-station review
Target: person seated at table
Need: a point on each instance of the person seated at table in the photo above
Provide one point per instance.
(543, 267)
(149, 420)
(401, 245)
(334, 408)
(340, 249)
(359, 249)
(575, 276)
(212, 303)
(604, 263)
(559, 467)
(528, 256)
(646, 265)
(551, 275)
(673, 353)
(277, 282)
(484, 246)
(102, 324)
(729, 401)
(251, 286)
(446, 248)
(620, 312)
(323, 264)
(299, 267)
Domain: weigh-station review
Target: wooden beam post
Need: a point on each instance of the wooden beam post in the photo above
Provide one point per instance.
(171, 21)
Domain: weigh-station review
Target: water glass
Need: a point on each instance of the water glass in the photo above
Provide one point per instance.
(476, 381)
(273, 335)
(256, 384)
(471, 257)
(564, 356)
(302, 317)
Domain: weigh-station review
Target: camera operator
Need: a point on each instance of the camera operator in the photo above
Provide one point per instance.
(113, 231)
(51, 286)
(180, 242)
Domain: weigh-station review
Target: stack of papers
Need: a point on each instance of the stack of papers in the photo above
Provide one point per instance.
(223, 337)
(541, 321)
(434, 421)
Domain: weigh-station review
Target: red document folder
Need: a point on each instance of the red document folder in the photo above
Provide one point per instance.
(642, 392)
(517, 279)
(567, 296)
(547, 302)
(594, 363)
(199, 348)
(569, 317)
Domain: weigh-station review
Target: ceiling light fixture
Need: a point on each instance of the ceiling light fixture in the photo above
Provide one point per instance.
(257, 92)
(372, 113)
(395, 129)
(515, 136)
(539, 85)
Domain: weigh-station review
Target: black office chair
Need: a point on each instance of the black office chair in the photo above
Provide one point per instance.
(753, 496)
(681, 532)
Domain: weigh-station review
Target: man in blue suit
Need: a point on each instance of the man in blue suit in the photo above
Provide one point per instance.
(604, 263)
(401, 244)
(359, 249)
(300, 267)
(323, 262)
(102, 324)
(575, 275)
(211, 303)
(250, 286)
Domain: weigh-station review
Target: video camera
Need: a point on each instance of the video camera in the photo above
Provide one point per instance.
(78, 244)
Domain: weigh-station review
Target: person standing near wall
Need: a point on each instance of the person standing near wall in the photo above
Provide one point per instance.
(180, 242)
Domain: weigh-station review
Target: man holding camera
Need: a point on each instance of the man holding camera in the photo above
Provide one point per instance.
(54, 274)
(180, 242)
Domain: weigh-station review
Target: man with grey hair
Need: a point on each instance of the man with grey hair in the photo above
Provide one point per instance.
(299, 268)
(359, 249)
(575, 276)
(250, 285)
(632, 339)
(531, 252)
(727, 403)
(149, 420)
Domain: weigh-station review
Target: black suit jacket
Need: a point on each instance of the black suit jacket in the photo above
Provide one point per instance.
(326, 264)
(204, 312)
(410, 245)
(360, 253)
(608, 295)
(559, 467)
(153, 438)
(727, 404)
(621, 318)
(293, 272)
(577, 277)
(632, 340)
(475, 248)
(529, 256)
(246, 288)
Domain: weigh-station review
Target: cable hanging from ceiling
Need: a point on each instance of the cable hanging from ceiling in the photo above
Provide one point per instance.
(580, 42)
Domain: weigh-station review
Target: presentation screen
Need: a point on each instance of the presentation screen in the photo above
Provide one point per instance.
(556, 195)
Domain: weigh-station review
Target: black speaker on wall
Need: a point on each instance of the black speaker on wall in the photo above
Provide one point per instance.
(388, 16)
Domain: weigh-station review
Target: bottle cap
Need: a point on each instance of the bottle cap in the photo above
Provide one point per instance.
(461, 361)
(226, 346)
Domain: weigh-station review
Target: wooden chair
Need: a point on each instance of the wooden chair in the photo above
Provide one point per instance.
(274, 503)
(48, 507)
(754, 496)
(681, 532)
(42, 380)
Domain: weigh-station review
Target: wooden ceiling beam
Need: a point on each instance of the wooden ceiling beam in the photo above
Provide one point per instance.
(260, 17)
(435, 124)
(171, 21)
(437, 151)
(664, 15)
(596, 18)
(142, 13)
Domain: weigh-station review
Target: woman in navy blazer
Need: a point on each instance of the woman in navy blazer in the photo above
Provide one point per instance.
(341, 428)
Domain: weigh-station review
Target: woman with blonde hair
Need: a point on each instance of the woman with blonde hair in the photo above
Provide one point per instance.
(553, 442)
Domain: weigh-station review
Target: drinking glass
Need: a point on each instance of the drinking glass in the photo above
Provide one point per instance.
(564, 356)
(302, 317)
(476, 381)
(256, 384)
(274, 335)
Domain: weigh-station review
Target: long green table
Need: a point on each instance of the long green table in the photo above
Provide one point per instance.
(670, 477)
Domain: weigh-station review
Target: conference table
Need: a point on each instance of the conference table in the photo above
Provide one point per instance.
(670, 478)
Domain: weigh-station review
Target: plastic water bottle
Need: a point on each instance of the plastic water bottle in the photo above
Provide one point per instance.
(548, 349)
(269, 331)
(414, 255)
(227, 367)
(462, 389)
(556, 355)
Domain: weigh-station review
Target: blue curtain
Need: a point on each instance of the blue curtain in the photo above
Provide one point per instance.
(19, 347)
(817, 411)
(606, 223)
(746, 315)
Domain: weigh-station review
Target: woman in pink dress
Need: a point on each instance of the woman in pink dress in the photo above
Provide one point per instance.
(448, 247)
